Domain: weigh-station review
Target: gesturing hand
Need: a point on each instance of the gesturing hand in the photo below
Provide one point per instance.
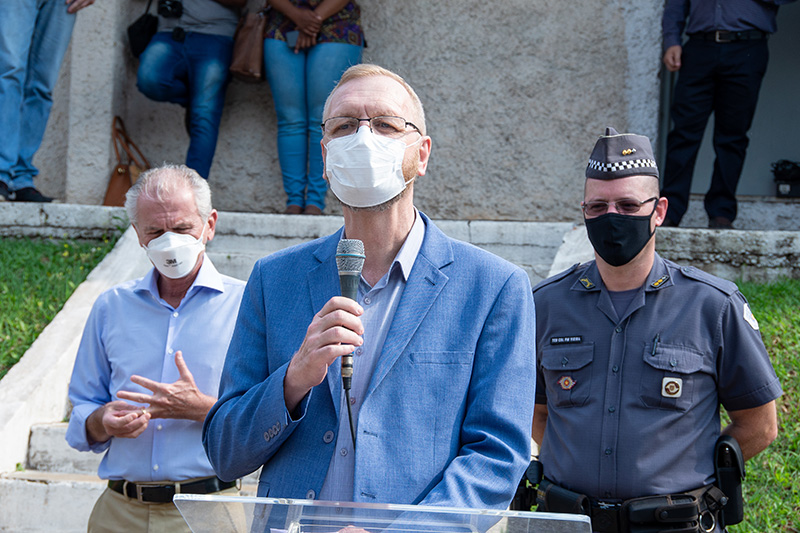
(181, 399)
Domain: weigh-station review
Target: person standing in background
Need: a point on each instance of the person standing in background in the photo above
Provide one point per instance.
(721, 67)
(308, 45)
(34, 36)
(187, 63)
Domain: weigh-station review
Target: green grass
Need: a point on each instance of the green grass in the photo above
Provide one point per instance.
(772, 487)
(37, 276)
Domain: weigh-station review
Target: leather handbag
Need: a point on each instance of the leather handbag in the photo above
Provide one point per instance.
(130, 163)
(141, 31)
(248, 47)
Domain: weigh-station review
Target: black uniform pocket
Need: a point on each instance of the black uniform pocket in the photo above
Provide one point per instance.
(668, 376)
(568, 373)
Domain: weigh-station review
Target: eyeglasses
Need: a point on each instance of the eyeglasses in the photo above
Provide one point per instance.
(386, 126)
(626, 206)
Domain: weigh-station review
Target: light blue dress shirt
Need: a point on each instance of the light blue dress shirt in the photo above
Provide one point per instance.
(132, 330)
(379, 304)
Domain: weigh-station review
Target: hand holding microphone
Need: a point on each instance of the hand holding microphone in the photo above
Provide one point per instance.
(332, 334)
(349, 262)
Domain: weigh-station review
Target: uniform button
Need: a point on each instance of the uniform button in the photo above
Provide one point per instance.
(310, 495)
(327, 438)
(608, 451)
(615, 369)
(612, 409)
(564, 361)
(367, 300)
(155, 467)
(618, 329)
(673, 363)
(160, 427)
(175, 314)
(343, 452)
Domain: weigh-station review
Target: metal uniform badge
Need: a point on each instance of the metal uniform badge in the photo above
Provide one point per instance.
(586, 282)
(660, 281)
(671, 387)
(749, 318)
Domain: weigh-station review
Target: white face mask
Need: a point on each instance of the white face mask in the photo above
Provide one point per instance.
(364, 169)
(174, 254)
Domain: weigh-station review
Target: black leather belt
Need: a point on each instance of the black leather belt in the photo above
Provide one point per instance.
(163, 492)
(722, 36)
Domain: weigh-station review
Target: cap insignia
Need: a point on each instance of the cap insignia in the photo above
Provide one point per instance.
(629, 151)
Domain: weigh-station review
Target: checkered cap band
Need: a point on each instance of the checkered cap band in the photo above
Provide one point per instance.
(621, 165)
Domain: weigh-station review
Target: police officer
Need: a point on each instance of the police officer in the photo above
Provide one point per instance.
(635, 355)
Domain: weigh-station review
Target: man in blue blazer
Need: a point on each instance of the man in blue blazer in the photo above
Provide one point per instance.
(442, 336)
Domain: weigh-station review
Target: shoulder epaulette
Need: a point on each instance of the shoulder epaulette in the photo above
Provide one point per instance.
(728, 287)
(557, 277)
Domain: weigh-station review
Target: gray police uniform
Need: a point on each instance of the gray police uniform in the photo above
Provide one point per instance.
(633, 399)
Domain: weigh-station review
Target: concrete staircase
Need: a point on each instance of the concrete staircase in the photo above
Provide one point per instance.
(58, 487)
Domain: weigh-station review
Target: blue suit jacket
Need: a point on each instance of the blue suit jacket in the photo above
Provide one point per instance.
(447, 416)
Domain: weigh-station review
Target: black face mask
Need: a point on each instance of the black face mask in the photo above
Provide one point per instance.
(619, 238)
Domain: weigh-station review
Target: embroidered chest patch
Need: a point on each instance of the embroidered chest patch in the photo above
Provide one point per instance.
(566, 382)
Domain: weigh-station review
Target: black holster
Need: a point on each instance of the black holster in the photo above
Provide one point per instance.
(554, 499)
(525, 497)
(730, 471)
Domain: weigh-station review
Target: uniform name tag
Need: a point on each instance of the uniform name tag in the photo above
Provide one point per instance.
(671, 387)
(577, 339)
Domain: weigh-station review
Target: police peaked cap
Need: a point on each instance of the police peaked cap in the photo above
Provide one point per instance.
(619, 155)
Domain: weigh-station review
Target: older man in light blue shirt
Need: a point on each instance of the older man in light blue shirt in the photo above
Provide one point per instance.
(149, 362)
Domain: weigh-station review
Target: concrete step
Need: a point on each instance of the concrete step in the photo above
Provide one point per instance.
(49, 452)
(38, 502)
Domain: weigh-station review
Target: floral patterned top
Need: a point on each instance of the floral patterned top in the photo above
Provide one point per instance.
(343, 27)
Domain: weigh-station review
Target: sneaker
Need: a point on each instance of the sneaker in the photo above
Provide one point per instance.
(5, 193)
(30, 194)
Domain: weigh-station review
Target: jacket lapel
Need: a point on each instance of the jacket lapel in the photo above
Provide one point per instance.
(422, 289)
(323, 284)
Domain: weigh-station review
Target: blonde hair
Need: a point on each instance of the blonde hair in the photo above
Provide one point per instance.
(366, 69)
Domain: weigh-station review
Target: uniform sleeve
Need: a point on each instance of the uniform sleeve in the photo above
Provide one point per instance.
(674, 21)
(496, 431)
(249, 422)
(89, 385)
(746, 376)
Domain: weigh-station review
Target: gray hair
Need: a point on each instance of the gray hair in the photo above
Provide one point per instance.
(364, 70)
(159, 182)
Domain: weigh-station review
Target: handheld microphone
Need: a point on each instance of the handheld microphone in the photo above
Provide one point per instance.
(349, 262)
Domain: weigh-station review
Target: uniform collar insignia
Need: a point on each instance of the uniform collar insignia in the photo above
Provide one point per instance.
(586, 282)
(660, 281)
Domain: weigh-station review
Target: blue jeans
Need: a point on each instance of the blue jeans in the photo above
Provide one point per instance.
(300, 84)
(193, 74)
(34, 36)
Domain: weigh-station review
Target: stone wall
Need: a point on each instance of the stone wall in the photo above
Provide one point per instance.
(516, 91)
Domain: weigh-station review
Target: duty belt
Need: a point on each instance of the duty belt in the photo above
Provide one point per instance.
(163, 492)
(723, 36)
(694, 511)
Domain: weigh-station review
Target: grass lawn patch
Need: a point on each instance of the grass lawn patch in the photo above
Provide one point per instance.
(772, 487)
(37, 276)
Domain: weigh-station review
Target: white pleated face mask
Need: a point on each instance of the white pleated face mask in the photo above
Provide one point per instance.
(365, 169)
(174, 254)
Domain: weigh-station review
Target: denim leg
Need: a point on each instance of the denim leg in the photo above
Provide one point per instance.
(163, 71)
(325, 65)
(209, 57)
(285, 72)
(49, 44)
(34, 36)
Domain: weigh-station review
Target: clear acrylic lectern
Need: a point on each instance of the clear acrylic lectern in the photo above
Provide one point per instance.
(272, 515)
